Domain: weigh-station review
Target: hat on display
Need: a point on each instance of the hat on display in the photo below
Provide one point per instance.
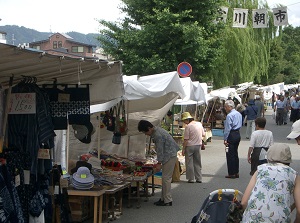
(279, 152)
(83, 176)
(80, 164)
(84, 132)
(295, 130)
(185, 115)
(95, 162)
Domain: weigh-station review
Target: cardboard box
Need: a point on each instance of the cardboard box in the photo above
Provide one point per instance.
(157, 180)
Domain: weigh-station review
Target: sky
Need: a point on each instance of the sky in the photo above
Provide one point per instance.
(81, 16)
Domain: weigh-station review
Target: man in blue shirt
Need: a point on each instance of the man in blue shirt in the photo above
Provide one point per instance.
(232, 139)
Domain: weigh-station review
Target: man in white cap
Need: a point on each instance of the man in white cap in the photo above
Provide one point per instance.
(295, 133)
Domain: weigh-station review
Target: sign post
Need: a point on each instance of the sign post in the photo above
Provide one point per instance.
(184, 69)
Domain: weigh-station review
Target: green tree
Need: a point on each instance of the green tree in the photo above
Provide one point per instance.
(246, 51)
(155, 36)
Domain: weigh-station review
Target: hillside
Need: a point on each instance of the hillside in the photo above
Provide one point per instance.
(18, 35)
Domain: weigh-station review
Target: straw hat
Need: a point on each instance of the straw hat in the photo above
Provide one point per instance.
(279, 152)
(185, 115)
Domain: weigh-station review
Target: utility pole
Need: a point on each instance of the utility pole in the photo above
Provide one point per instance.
(13, 39)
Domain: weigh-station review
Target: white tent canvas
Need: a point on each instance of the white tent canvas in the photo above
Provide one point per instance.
(195, 92)
(146, 97)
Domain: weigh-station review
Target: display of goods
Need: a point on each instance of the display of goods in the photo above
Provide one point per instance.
(110, 163)
(139, 174)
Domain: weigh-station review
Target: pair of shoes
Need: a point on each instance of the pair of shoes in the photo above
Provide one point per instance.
(158, 202)
(165, 204)
(198, 181)
(237, 175)
(247, 137)
(285, 123)
(191, 181)
(231, 176)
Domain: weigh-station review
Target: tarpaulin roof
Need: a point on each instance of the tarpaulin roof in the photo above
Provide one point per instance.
(105, 77)
(195, 92)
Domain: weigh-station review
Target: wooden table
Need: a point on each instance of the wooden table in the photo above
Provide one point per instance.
(98, 199)
(115, 190)
(138, 181)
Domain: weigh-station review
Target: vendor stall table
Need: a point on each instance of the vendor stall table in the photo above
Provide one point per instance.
(144, 181)
(98, 199)
(118, 191)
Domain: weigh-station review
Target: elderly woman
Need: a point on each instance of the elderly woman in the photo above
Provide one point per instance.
(269, 194)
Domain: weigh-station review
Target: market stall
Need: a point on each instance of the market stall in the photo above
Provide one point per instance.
(27, 128)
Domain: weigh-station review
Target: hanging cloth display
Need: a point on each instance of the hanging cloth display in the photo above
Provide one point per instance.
(79, 105)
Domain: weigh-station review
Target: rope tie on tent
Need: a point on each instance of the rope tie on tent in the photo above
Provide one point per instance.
(79, 72)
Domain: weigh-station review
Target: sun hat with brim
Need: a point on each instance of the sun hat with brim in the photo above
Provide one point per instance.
(95, 162)
(83, 175)
(295, 130)
(80, 164)
(185, 116)
(84, 132)
(279, 152)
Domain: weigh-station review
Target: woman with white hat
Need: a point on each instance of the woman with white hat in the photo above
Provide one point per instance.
(295, 133)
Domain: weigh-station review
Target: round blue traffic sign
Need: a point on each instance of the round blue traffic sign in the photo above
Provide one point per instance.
(184, 69)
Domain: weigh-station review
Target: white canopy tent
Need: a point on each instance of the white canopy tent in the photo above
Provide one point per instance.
(194, 90)
(223, 93)
(146, 97)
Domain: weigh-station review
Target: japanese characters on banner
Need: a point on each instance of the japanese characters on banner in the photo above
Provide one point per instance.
(259, 17)
(240, 18)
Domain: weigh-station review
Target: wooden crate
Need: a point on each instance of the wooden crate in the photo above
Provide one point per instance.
(81, 208)
(157, 180)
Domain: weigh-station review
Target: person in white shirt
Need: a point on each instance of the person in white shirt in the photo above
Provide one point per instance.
(261, 140)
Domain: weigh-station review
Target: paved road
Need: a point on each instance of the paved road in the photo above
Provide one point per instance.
(188, 198)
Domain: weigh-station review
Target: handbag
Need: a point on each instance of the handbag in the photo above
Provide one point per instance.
(123, 124)
(116, 138)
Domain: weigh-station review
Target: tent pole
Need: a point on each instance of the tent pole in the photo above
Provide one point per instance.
(2, 139)
(67, 147)
(99, 127)
(204, 113)
(211, 110)
(196, 111)
(127, 123)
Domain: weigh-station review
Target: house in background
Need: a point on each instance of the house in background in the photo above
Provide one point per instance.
(2, 37)
(59, 44)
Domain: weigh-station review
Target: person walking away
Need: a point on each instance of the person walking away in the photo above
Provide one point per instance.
(166, 149)
(261, 140)
(295, 109)
(193, 134)
(295, 133)
(287, 107)
(260, 107)
(232, 138)
(251, 113)
(280, 106)
(269, 194)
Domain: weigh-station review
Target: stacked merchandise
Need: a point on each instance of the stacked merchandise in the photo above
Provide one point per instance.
(83, 179)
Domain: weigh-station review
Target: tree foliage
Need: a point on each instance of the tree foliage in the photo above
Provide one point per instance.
(155, 36)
